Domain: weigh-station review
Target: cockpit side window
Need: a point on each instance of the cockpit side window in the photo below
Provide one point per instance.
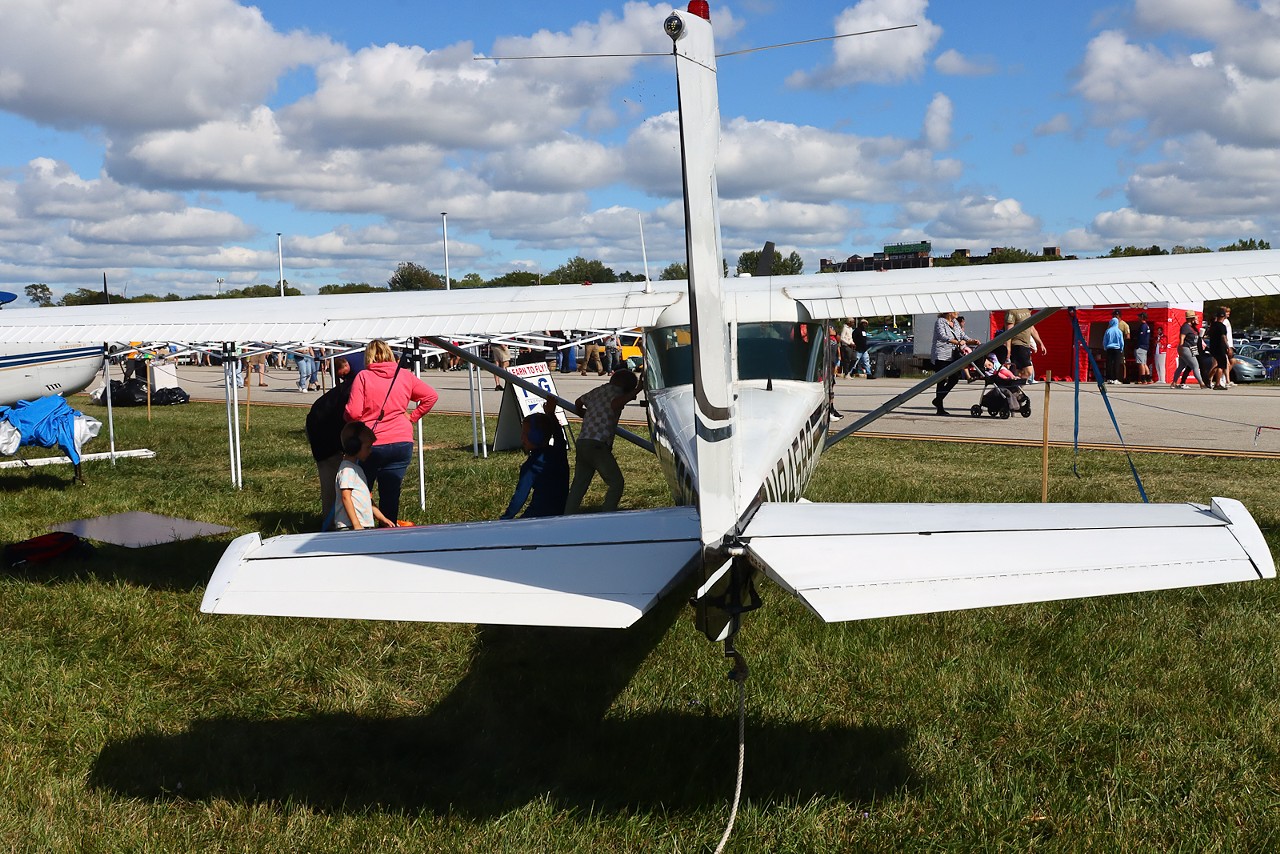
(780, 351)
(668, 357)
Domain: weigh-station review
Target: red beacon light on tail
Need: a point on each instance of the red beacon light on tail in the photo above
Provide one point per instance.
(701, 8)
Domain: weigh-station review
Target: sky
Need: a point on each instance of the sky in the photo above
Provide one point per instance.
(167, 143)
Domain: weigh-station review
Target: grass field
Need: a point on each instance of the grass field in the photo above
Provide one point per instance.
(131, 722)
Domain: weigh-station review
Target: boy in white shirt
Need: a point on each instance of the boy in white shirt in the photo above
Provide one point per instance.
(354, 509)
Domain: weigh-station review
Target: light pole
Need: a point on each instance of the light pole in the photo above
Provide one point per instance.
(220, 281)
(280, 255)
(444, 217)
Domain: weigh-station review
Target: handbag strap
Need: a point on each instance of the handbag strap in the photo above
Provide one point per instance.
(382, 410)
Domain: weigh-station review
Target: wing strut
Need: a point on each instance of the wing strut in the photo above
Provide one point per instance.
(567, 405)
(979, 352)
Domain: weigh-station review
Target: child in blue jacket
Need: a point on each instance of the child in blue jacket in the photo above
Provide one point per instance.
(545, 472)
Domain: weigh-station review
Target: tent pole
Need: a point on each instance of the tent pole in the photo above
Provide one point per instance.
(235, 392)
(248, 394)
(484, 429)
(111, 416)
(422, 456)
(471, 387)
(1044, 443)
(226, 397)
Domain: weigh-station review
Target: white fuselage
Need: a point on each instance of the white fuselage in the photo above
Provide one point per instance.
(779, 386)
(30, 371)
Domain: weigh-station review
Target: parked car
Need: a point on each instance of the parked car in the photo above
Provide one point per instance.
(1246, 370)
(1270, 359)
(895, 356)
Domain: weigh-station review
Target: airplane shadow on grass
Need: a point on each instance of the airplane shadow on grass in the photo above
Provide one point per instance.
(183, 565)
(528, 720)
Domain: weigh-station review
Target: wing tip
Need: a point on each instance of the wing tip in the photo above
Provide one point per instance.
(228, 566)
(1245, 529)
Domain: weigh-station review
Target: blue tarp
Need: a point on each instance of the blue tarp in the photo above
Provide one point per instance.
(48, 422)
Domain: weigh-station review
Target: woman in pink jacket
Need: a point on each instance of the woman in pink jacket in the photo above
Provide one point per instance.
(380, 394)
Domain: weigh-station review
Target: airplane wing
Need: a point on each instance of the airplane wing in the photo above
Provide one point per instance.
(860, 561)
(350, 317)
(491, 311)
(602, 570)
(1178, 279)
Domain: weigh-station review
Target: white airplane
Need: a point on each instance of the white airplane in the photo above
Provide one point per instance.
(27, 373)
(737, 384)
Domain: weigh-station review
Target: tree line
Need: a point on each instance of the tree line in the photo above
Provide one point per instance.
(411, 276)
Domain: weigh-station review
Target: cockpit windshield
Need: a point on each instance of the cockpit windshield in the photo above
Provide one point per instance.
(771, 350)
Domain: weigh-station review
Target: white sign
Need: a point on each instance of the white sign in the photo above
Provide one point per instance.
(518, 404)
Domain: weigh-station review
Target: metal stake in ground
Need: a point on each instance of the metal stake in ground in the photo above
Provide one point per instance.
(1044, 451)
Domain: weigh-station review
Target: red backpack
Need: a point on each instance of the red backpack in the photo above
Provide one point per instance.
(46, 547)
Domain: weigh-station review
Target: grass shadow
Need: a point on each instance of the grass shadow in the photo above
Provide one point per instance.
(271, 523)
(530, 718)
(21, 479)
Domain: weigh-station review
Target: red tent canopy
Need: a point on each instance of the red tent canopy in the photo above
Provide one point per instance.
(1057, 336)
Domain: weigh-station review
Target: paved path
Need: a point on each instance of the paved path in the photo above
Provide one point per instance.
(1151, 416)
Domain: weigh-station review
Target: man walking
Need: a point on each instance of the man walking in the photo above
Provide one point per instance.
(1023, 345)
(862, 361)
(1141, 347)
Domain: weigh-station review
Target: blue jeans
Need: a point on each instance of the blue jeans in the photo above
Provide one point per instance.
(306, 371)
(386, 466)
(861, 363)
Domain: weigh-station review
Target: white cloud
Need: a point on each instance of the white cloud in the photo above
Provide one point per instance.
(1060, 123)
(1173, 94)
(1242, 36)
(51, 189)
(785, 221)
(957, 64)
(1201, 178)
(193, 226)
(250, 153)
(796, 162)
(1218, 173)
(937, 123)
(975, 219)
(567, 163)
(880, 57)
(395, 94)
(138, 64)
(1129, 226)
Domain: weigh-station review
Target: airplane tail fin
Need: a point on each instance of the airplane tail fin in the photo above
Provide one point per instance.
(764, 264)
(718, 453)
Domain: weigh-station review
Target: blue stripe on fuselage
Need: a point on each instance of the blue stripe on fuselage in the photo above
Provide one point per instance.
(18, 360)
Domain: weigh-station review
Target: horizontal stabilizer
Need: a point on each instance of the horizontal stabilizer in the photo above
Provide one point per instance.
(602, 570)
(859, 561)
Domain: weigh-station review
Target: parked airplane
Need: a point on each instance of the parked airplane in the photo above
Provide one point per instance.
(27, 372)
(737, 383)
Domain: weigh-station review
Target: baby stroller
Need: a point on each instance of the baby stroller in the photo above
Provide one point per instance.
(1002, 397)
